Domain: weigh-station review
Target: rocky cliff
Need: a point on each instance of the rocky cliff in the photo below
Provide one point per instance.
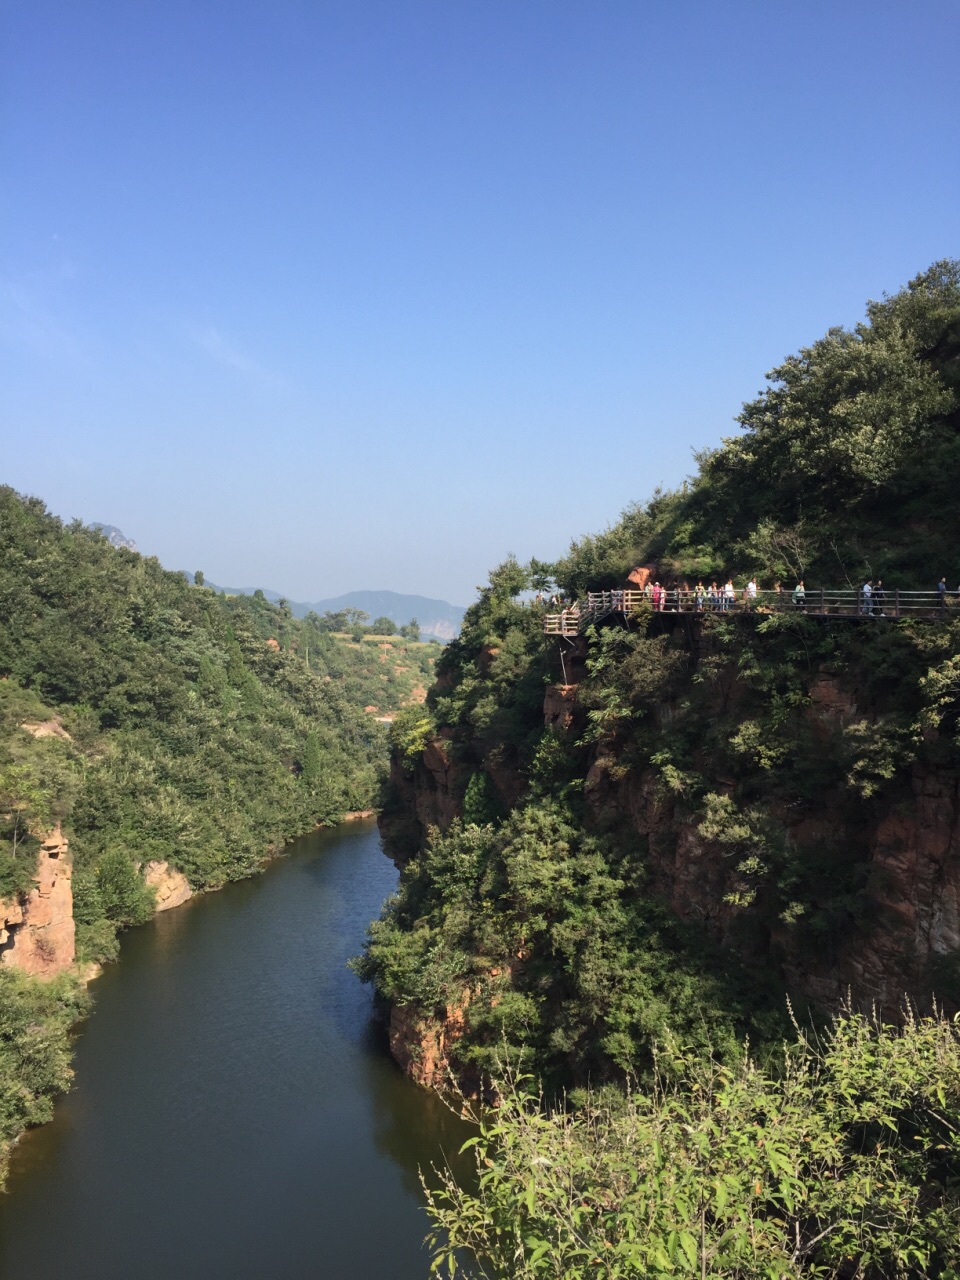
(907, 923)
(171, 886)
(878, 911)
(37, 931)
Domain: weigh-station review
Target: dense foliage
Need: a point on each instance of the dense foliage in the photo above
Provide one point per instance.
(843, 1163)
(35, 1021)
(543, 931)
(189, 732)
(844, 469)
(156, 720)
(776, 746)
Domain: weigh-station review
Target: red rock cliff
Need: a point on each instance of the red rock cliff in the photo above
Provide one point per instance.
(37, 933)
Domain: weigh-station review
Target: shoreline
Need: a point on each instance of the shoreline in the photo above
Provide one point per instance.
(87, 971)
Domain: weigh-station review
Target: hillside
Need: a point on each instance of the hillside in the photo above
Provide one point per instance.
(682, 889)
(156, 739)
(438, 620)
(688, 819)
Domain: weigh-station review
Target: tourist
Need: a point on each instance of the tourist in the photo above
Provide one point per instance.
(800, 596)
(699, 596)
(866, 594)
(713, 595)
(879, 595)
(729, 595)
(942, 594)
(658, 597)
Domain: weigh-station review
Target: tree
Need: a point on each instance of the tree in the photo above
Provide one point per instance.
(383, 627)
(411, 631)
(508, 579)
(542, 575)
(126, 899)
(198, 578)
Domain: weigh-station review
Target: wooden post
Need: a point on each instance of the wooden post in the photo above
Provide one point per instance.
(822, 606)
(896, 603)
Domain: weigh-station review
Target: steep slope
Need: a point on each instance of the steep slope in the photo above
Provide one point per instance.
(687, 818)
(155, 740)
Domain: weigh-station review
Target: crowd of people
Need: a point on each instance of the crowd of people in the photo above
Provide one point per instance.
(677, 595)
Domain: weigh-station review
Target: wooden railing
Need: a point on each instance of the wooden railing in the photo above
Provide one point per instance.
(843, 602)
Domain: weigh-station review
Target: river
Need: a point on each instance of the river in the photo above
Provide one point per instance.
(235, 1115)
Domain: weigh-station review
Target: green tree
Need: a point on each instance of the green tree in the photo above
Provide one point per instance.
(125, 898)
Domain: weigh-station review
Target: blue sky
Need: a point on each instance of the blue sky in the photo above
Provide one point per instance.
(327, 296)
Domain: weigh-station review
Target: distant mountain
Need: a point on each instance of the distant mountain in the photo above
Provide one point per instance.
(116, 537)
(438, 619)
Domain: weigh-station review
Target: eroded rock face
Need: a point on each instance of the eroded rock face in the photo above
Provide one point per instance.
(423, 1046)
(38, 934)
(915, 866)
(638, 577)
(172, 886)
(913, 902)
(430, 796)
(46, 729)
(559, 702)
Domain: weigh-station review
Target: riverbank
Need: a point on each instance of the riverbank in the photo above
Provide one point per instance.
(42, 995)
(233, 1074)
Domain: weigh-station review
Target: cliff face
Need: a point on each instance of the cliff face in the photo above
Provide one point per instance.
(424, 1046)
(910, 912)
(37, 930)
(906, 924)
(171, 886)
(37, 934)
(427, 796)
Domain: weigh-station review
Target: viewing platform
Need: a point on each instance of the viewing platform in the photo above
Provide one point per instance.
(822, 602)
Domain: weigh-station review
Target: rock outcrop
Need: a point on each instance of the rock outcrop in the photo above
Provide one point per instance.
(423, 1046)
(38, 933)
(172, 886)
(559, 706)
(428, 796)
(910, 849)
(46, 729)
(910, 920)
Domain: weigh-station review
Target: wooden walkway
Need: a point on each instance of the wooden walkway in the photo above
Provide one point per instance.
(888, 606)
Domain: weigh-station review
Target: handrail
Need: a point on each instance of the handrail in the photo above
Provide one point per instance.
(839, 602)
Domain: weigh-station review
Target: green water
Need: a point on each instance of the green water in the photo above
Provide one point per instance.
(235, 1112)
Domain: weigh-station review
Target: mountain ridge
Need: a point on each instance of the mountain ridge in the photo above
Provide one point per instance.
(438, 619)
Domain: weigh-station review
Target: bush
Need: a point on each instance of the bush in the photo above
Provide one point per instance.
(846, 1163)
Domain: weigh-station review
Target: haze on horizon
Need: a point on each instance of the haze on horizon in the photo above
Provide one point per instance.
(329, 296)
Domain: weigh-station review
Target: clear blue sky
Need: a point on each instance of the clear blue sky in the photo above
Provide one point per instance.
(366, 294)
